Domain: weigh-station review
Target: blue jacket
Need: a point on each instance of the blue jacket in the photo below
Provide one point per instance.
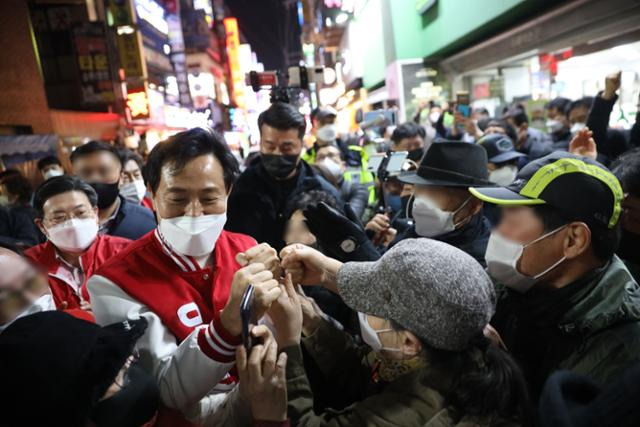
(132, 221)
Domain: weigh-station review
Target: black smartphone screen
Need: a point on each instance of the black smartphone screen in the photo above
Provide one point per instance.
(247, 316)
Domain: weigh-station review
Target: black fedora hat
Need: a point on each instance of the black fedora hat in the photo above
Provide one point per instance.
(451, 164)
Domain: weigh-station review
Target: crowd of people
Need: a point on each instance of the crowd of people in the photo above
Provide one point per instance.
(492, 280)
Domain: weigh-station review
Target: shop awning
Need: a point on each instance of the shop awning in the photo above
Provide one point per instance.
(571, 24)
(81, 124)
(15, 149)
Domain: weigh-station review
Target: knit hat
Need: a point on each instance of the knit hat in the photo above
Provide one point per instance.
(55, 367)
(432, 289)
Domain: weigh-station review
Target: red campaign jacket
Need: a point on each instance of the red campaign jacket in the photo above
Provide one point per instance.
(174, 286)
(177, 289)
(102, 249)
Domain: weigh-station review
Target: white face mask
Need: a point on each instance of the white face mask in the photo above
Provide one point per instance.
(4, 200)
(554, 125)
(432, 221)
(327, 133)
(134, 191)
(577, 127)
(74, 235)
(52, 173)
(43, 303)
(433, 117)
(502, 258)
(333, 167)
(504, 176)
(370, 335)
(193, 235)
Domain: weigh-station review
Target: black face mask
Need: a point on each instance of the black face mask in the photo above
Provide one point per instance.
(133, 406)
(107, 193)
(416, 155)
(279, 166)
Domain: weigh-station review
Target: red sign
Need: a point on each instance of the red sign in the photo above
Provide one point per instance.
(138, 103)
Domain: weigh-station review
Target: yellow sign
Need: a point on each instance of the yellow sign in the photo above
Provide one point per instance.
(233, 48)
(138, 104)
(130, 59)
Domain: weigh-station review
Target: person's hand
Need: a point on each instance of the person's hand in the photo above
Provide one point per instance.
(583, 144)
(611, 85)
(378, 223)
(304, 264)
(388, 236)
(266, 290)
(263, 377)
(311, 313)
(631, 213)
(262, 253)
(286, 315)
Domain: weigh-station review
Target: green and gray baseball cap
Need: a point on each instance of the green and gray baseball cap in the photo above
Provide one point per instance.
(580, 188)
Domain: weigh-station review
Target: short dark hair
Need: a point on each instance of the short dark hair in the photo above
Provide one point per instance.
(585, 102)
(58, 185)
(509, 130)
(48, 161)
(559, 103)
(309, 198)
(518, 114)
(283, 116)
(185, 146)
(19, 186)
(604, 241)
(9, 173)
(126, 155)
(627, 169)
(94, 147)
(407, 130)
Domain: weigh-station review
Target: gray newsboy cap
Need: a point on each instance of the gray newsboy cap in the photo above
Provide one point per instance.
(434, 290)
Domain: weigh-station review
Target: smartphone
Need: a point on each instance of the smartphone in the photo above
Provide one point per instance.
(248, 317)
(462, 103)
(374, 162)
(396, 161)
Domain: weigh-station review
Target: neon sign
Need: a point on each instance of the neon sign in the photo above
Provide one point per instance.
(138, 104)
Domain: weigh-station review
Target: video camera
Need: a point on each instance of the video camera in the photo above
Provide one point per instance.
(283, 86)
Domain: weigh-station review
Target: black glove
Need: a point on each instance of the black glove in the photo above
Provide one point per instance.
(340, 237)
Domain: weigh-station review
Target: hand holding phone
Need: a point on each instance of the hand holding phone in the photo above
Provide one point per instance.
(248, 317)
(462, 103)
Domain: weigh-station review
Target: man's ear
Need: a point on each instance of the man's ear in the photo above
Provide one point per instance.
(411, 345)
(38, 222)
(476, 205)
(577, 240)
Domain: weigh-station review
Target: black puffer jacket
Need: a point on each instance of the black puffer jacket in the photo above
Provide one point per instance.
(257, 204)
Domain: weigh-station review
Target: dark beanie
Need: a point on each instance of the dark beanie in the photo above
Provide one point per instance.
(55, 367)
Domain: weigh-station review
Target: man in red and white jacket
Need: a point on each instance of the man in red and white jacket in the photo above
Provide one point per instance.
(67, 213)
(187, 279)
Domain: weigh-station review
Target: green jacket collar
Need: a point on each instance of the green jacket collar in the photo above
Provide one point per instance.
(614, 298)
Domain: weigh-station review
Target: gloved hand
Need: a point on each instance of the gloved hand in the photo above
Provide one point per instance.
(340, 237)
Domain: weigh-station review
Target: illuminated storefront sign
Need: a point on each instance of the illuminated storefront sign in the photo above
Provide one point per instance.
(138, 103)
(233, 53)
(153, 13)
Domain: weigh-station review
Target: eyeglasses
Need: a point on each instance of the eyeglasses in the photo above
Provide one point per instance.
(60, 217)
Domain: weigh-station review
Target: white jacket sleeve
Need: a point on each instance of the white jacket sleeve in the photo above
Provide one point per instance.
(188, 376)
